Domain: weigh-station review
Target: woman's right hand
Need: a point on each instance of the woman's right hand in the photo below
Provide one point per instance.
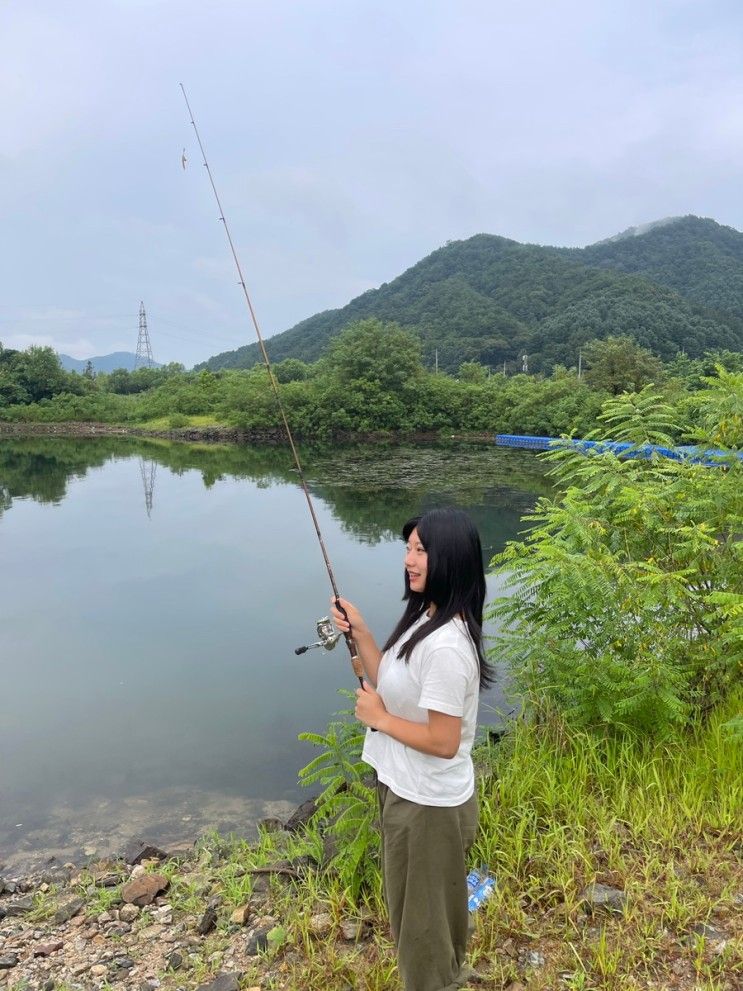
(355, 621)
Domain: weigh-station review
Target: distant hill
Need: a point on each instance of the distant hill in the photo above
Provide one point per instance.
(674, 285)
(102, 363)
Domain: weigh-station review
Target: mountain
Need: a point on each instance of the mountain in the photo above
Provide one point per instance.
(674, 285)
(102, 363)
(698, 258)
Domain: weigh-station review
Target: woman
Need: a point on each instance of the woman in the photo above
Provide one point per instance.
(421, 698)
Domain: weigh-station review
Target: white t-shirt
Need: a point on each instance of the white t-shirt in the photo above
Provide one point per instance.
(442, 674)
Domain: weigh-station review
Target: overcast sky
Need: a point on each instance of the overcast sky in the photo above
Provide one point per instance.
(348, 139)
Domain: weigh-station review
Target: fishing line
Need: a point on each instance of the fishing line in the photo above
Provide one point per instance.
(350, 642)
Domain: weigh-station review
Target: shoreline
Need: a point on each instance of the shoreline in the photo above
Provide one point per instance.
(618, 878)
(222, 434)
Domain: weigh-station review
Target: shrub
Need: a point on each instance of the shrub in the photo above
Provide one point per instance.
(626, 607)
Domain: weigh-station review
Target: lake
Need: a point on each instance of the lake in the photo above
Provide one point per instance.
(152, 597)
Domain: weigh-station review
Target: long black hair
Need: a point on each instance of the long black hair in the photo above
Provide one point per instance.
(455, 582)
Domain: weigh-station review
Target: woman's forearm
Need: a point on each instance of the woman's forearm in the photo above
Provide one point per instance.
(439, 737)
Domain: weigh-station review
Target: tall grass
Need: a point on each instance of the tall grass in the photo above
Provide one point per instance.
(561, 808)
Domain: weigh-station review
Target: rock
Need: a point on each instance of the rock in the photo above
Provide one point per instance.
(139, 871)
(321, 924)
(48, 985)
(534, 959)
(515, 986)
(241, 915)
(163, 915)
(208, 920)
(351, 931)
(67, 909)
(107, 880)
(144, 889)
(301, 816)
(223, 982)
(137, 851)
(604, 896)
(8, 962)
(99, 970)
(128, 913)
(174, 960)
(258, 940)
(181, 852)
(19, 907)
(270, 825)
(710, 933)
(46, 949)
(122, 963)
(261, 884)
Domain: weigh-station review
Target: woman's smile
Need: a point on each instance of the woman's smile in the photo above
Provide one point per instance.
(416, 563)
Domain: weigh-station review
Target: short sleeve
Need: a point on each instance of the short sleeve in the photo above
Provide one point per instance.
(444, 676)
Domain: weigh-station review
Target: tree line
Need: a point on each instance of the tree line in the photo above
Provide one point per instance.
(371, 378)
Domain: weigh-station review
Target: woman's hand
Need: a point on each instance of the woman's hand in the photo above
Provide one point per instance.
(370, 709)
(355, 621)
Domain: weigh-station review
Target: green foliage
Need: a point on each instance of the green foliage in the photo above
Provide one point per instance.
(473, 371)
(619, 364)
(346, 804)
(370, 353)
(696, 257)
(626, 608)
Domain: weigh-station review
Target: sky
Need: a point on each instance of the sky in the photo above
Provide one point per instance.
(347, 139)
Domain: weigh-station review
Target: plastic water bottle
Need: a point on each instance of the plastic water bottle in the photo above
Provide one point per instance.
(480, 886)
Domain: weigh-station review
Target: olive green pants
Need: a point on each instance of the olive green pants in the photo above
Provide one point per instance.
(425, 887)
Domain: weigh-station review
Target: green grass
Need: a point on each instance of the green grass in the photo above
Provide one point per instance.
(183, 420)
(560, 809)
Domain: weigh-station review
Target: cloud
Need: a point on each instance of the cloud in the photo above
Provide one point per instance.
(347, 141)
(78, 348)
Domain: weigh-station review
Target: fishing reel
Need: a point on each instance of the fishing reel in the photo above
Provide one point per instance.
(327, 636)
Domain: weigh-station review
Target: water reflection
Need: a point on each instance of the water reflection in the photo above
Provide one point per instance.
(148, 471)
(372, 489)
(150, 668)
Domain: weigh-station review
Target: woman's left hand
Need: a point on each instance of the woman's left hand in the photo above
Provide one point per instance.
(370, 709)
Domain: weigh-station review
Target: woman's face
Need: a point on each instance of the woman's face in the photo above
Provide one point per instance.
(416, 562)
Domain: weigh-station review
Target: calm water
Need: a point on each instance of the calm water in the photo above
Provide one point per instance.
(152, 598)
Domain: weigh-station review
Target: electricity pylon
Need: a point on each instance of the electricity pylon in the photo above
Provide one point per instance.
(144, 349)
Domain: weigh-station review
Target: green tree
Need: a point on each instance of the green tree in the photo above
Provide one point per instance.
(375, 353)
(40, 373)
(473, 371)
(291, 370)
(620, 364)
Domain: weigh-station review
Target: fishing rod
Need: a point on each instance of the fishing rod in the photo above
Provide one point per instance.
(327, 635)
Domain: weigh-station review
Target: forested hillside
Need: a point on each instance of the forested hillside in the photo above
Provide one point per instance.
(677, 287)
(697, 257)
